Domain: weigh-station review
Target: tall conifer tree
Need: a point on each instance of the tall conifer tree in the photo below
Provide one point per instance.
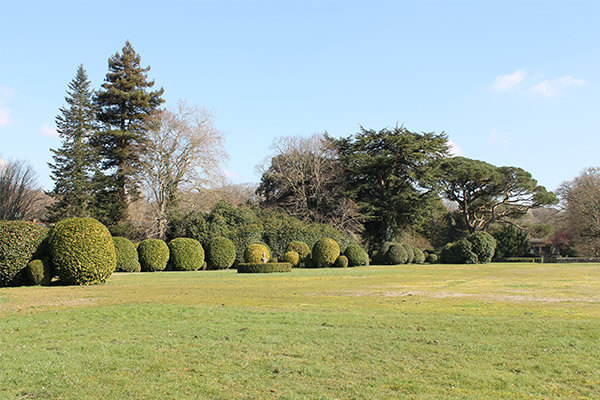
(125, 103)
(74, 162)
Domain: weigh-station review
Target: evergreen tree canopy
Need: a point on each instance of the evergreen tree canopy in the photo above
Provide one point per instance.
(125, 104)
(74, 161)
(387, 173)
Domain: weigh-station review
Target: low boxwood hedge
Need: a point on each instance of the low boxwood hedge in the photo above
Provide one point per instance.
(248, 268)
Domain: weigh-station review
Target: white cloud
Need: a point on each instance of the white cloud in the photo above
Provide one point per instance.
(49, 131)
(554, 87)
(5, 115)
(499, 138)
(509, 82)
(455, 149)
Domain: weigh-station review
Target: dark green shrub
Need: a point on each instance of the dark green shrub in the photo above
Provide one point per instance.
(341, 262)
(274, 260)
(248, 268)
(38, 272)
(19, 243)
(484, 245)
(379, 257)
(419, 256)
(82, 251)
(185, 254)
(127, 255)
(460, 252)
(153, 255)
(301, 248)
(357, 256)
(292, 257)
(325, 252)
(256, 253)
(409, 252)
(511, 242)
(220, 253)
(432, 258)
(396, 255)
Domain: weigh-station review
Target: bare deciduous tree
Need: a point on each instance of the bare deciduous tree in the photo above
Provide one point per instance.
(18, 190)
(185, 153)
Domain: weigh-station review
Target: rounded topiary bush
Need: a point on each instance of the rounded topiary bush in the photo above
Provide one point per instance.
(484, 245)
(38, 272)
(357, 256)
(409, 252)
(301, 248)
(325, 252)
(432, 258)
(153, 255)
(220, 253)
(292, 257)
(396, 254)
(379, 257)
(419, 256)
(341, 262)
(460, 252)
(256, 253)
(82, 251)
(248, 268)
(127, 255)
(185, 254)
(19, 243)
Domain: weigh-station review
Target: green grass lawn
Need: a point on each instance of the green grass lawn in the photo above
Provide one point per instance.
(499, 331)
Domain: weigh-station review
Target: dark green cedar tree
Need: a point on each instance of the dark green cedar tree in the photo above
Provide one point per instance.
(125, 103)
(74, 161)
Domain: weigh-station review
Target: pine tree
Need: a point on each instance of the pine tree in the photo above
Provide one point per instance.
(125, 104)
(74, 161)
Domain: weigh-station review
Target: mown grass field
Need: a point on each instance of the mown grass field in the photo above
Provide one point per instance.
(499, 331)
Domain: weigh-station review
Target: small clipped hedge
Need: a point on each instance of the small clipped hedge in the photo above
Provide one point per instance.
(185, 254)
(249, 268)
(409, 252)
(301, 248)
(325, 252)
(153, 255)
(255, 253)
(396, 255)
(82, 251)
(357, 256)
(127, 255)
(341, 262)
(220, 253)
(419, 256)
(292, 257)
(19, 242)
(432, 258)
(38, 272)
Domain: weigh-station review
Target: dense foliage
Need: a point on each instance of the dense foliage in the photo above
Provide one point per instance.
(419, 256)
(82, 251)
(484, 245)
(356, 255)
(127, 255)
(153, 255)
(325, 252)
(220, 253)
(410, 253)
(38, 272)
(292, 257)
(460, 252)
(19, 241)
(256, 253)
(301, 248)
(396, 254)
(248, 268)
(341, 262)
(186, 254)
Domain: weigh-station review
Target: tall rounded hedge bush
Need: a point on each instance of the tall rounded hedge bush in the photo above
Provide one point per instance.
(419, 256)
(356, 255)
(410, 253)
(325, 252)
(396, 254)
(220, 253)
(255, 253)
(153, 255)
(19, 242)
(127, 255)
(185, 254)
(484, 245)
(82, 251)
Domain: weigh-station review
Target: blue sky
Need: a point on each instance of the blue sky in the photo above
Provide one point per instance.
(510, 82)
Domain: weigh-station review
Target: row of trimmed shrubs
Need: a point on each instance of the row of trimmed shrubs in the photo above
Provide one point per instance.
(391, 253)
(82, 251)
